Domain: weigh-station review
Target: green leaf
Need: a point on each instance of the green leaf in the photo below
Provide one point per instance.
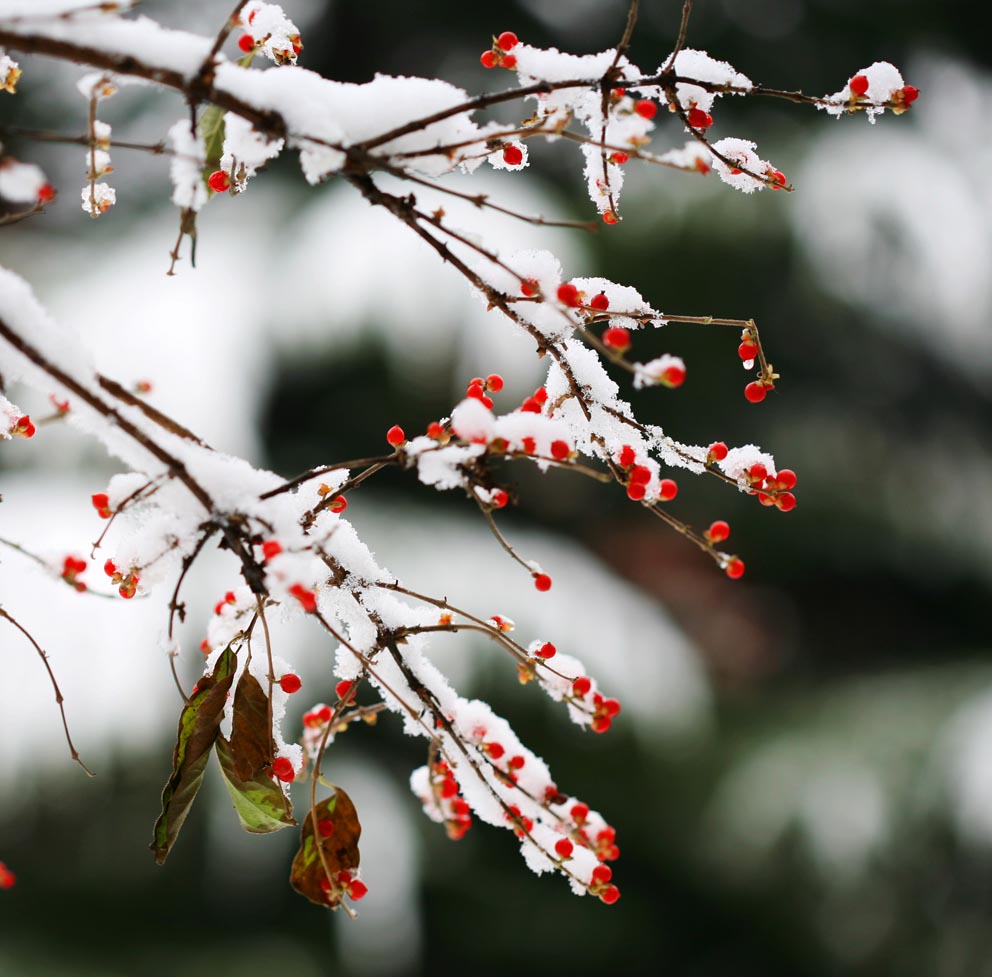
(212, 132)
(251, 748)
(261, 805)
(308, 875)
(199, 724)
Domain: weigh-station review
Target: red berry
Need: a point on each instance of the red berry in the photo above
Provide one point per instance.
(517, 762)
(785, 501)
(358, 890)
(858, 85)
(646, 108)
(718, 531)
(568, 294)
(246, 42)
(509, 61)
(488, 59)
(541, 396)
(110, 568)
(910, 94)
(602, 874)
(735, 569)
(46, 193)
(7, 878)
(338, 504)
(619, 158)
(717, 451)
(513, 155)
(495, 750)
(757, 472)
(532, 405)
(499, 499)
(529, 287)
(307, 598)
(640, 475)
(611, 707)
(787, 478)
(600, 724)
(542, 581)
(778, 176)
(494, 383)
(282, 767)
(325, 827)
(600, 302)
(755, 392)
(507, 40)
(290, 683)
(698, 119)
(101, 502)
(581, 687)
(618, 338)
(271, 548)
(395, 436)
(560, 450)
(611, 217)
(636, 491)
(747, 350)
(546, 651)
(219, 181)
(610, 895)
(344, 689)
(673, 376)
(529, 445)
(23, 428)
(627, 456)
(564, 847)
(435, 430)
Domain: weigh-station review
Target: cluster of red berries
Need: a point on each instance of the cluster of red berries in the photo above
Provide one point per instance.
(605, 848)
(227, 600)
(306, 597)
(454, 808)
(497, 56)
(7, 878)
(282, 769)
(247, 43)
(317, 717)
(772, 489)
(479, 387)
(638, 477)
(71, 569)
(23, 427)
(344, 884)
(903, 97)
(534, 404)
(127, 583)
(604, 710)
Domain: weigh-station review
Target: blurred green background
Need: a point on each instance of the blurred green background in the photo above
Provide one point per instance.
(833, 812)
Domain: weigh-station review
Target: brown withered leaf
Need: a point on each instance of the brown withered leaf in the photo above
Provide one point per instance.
(261, 805)
(199, 724)
(340, 848)
(252, 748)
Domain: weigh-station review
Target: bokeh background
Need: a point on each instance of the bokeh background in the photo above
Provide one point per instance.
(802, 777)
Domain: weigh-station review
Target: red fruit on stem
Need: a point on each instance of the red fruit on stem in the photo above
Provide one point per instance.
(110, 568)
(542, 581)
(785, 501)
(600, 724)
(735, 569)
(46, 193)
(909, 94)
(646, 108)
(495, 750)
(560, 450)
(507, 40)
(611, 217)
(101, 503)
(282, 767)
(529, 287)
(600, 302)
(602, 874)
(747, 350)
(717, 451)
(357, 890)
(564, 847)
(640, 475)
(568, 294)
(698, 119)
(581, 687)
(668, 490)
(718, 531)
(858, 85)
(513, 155)
(246, 42)
(786, 478)
(290, 683)
(531, 405)
(627, 456)
(673, 376)
(499, 499)
(546, 651)
(757, 472)
(307, 598)
(610, 895)
(344, 689)
(517, 762)
(488, 59)
(338, 504)
(755, 392)
(23, 427)
(509, 61)
(219, 181)
(618, 338)
(395, 436)
(636, 491)
(494, 383)
(271, 548)
(619, 158)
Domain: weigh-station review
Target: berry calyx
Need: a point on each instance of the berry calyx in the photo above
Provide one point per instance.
(513, 155)
(645, 108)
(755, 392)
(507, 40)
(282, 767)
(618, 338)
(667, 490)
(698, 119)
(563, 848)
(395, 436)
(599, 302)
(290, 683)
(542, 582)
(735, 569)
(717, 451)
(219, 181)
(858, 85)
(488, 59)
(101, 502)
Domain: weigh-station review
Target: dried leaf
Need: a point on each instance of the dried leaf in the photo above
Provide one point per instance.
(260, 802)
(199, 723)
(251, 746)
(340, 849)
(211, 128)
